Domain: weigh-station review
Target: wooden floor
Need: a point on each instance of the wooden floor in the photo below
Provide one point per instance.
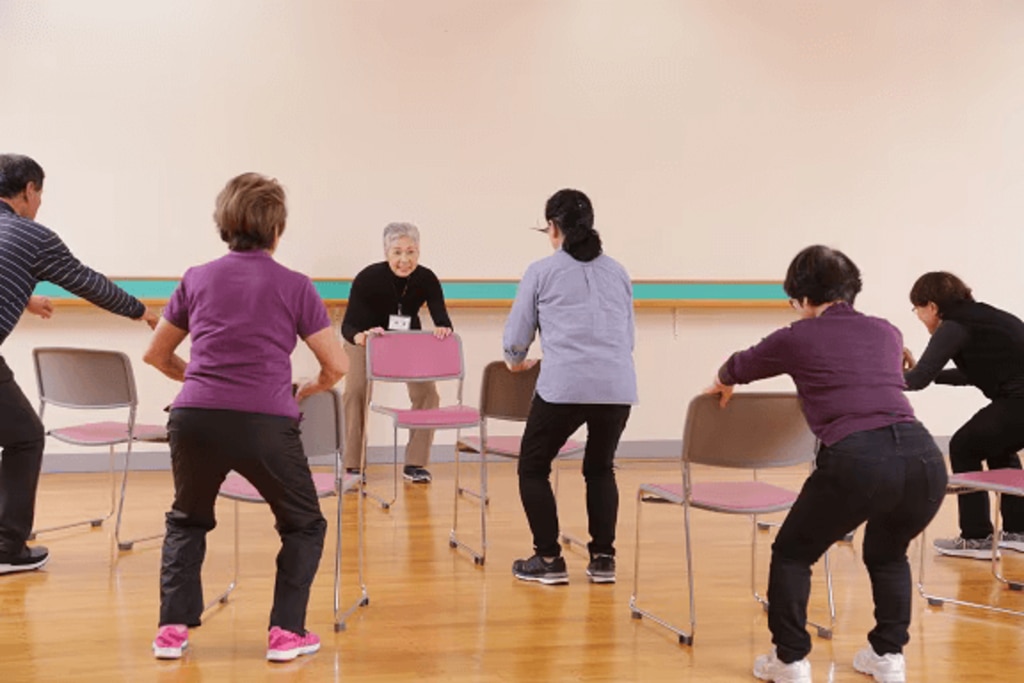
(433, 615)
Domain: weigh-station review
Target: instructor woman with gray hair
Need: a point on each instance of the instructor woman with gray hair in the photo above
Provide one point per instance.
(388, 296)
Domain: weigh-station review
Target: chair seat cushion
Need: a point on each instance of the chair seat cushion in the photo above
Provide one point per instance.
(734, 497)
(237, 487)
(509, 446)
(1008, 481)
(106, 433)
(446, 417)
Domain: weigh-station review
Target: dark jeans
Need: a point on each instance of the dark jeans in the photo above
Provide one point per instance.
(22, 438)
(548, 427)
(266, 450)
(894, 478)
(993, 435)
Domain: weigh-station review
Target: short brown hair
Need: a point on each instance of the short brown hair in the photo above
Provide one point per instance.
(250, 212)
(941, 288)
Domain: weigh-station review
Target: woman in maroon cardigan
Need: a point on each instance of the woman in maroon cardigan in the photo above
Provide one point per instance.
(876, 463)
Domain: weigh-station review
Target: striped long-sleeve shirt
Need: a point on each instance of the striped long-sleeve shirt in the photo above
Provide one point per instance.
(30, 253)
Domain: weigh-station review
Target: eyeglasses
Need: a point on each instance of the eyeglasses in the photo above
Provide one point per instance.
(545, 229)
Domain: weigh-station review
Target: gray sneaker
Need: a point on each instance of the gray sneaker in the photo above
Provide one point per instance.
(601, 569)
(1012, 541)
(534, 568)
(976, 548)
(416, 474)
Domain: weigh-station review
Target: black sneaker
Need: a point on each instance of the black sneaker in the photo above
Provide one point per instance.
(536, 569)
(601, 569)
(27, 560)
(416, 474)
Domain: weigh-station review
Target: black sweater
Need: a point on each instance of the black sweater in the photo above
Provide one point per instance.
(377, 293)
(985, 343)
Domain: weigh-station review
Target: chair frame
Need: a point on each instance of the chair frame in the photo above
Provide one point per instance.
(655, 493)
(970, 482)
(504, 414)
(372, 378)
(131, 404)
(340, 616)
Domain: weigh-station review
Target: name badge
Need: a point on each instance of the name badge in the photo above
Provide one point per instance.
(400, 323)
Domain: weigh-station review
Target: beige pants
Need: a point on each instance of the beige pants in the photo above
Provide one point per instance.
(422, 395)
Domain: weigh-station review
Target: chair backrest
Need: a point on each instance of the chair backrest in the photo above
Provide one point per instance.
(507, 395)
(413, 357)
(84, 378)
(322, 424)
(754, 431)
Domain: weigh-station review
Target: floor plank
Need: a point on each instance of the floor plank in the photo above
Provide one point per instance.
(91, 614)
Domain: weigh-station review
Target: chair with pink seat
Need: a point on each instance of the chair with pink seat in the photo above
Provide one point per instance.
(755, 431)
(505, 396)
(403, 357)
(90, 379)
(1003, 482)
(322, 435)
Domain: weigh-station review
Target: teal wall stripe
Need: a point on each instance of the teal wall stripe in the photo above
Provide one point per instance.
(487, 291)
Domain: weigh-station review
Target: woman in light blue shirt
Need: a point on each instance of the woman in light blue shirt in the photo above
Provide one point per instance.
(581, 301)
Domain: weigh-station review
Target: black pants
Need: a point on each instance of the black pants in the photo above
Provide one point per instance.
(266, 450)
(22, 438)
(894, 478)
(993, 435)
(548, 427)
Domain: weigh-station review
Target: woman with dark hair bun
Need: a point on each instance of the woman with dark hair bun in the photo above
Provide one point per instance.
(987, 347)
(581, 301)
(876, 463)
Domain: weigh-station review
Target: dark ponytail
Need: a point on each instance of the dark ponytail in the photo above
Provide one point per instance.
(573, 213)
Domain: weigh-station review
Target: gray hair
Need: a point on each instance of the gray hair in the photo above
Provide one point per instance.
(396, 231)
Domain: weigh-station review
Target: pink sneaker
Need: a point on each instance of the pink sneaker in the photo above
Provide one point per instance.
(284, 646)
(171, 640)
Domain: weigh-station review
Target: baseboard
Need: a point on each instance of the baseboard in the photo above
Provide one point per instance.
(160, 460)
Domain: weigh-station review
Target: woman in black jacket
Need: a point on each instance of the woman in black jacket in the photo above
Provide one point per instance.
(986, 345)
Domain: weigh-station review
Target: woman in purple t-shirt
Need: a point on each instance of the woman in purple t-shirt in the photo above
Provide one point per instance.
(244, 313)
(875, 464)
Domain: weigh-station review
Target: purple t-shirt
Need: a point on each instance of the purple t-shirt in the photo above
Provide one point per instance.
(244, 313)
(847, 367)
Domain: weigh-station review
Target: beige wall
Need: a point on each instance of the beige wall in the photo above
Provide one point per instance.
(716, 138)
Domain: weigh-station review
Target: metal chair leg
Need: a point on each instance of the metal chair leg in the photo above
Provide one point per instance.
(823, 631)
(935, 600)
(480, 495)
(384, 503)
(568, 539)
(95, 522)
(479, 557)
(222, 599)
(341, 617)
(638, 612)
(127, 544)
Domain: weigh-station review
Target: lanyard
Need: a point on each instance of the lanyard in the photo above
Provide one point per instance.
(402, 295)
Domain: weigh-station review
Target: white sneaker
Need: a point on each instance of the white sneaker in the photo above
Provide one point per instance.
(1012, 541)
(770, 668)
(890, 668)
(350, 482)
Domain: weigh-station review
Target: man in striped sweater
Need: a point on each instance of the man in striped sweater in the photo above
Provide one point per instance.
(29, 253)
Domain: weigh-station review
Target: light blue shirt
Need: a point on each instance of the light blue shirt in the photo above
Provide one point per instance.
(584, 313)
